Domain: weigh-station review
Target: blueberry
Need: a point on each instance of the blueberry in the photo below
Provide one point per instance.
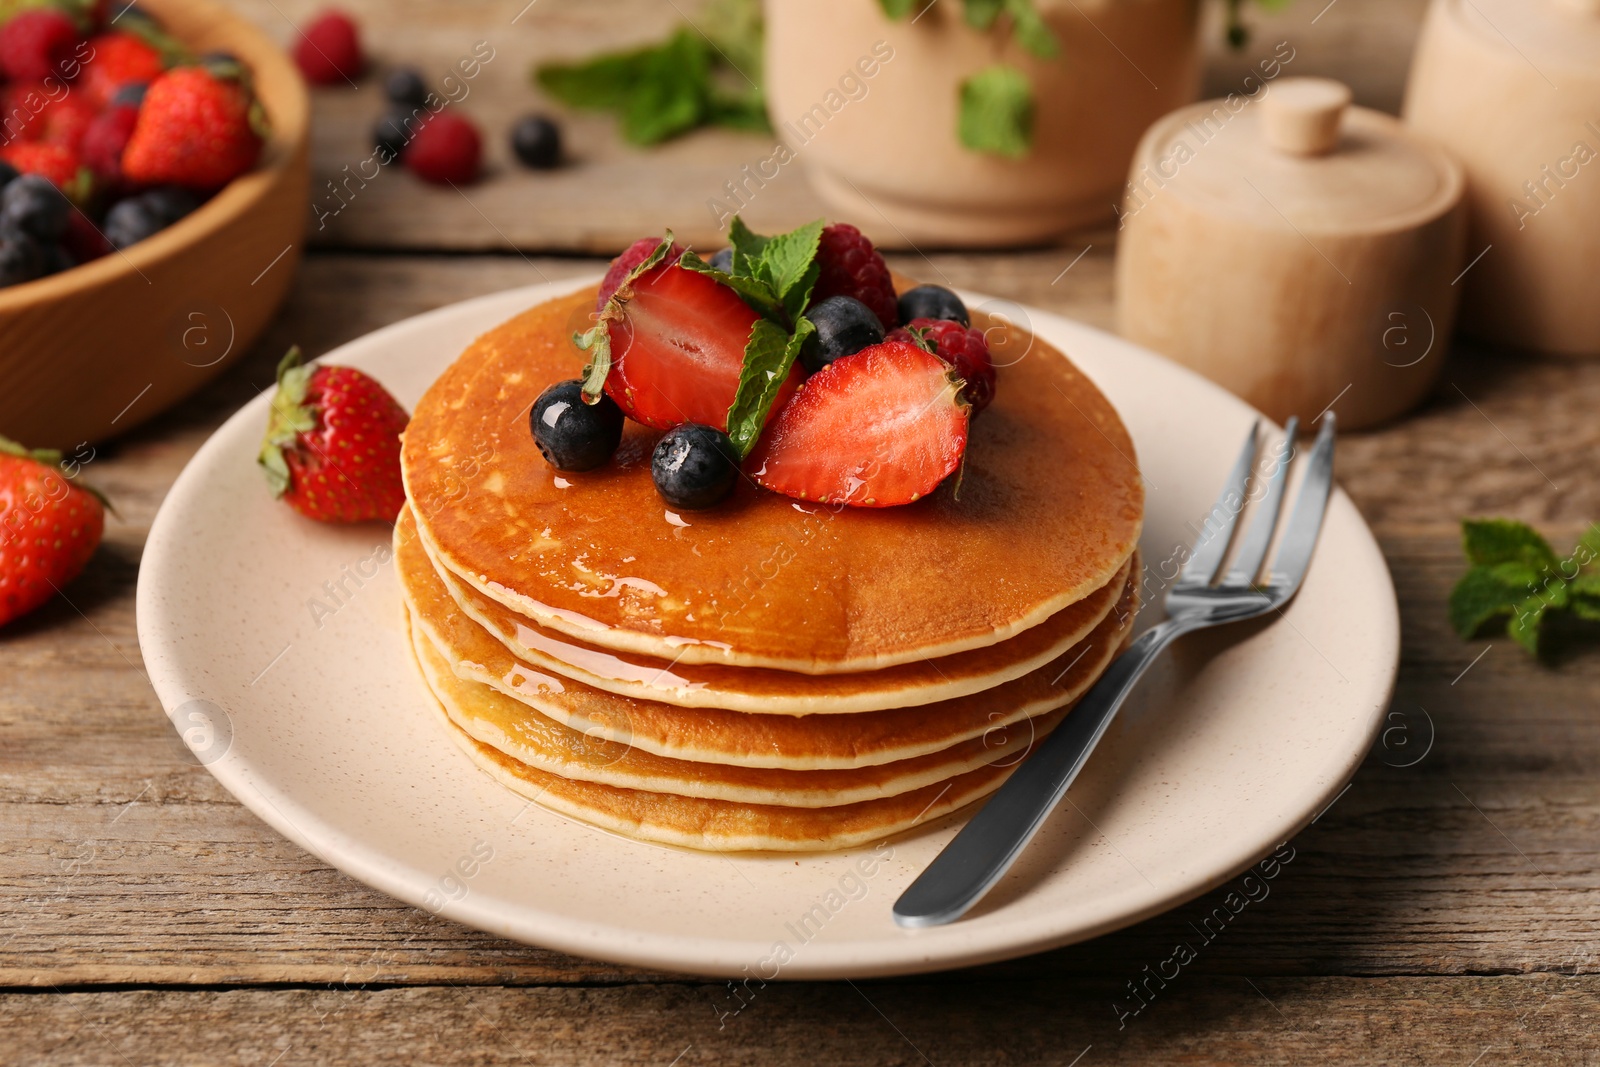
(396, 127)
(537, 142)
(8, 173)
(53, 259)
(933, 302)
(20, 260)
(35, 206)
(170, 202)
(844, 327)
(131, 221)
(723, 260)
(572, 435)
(130, 95)
(405, 86)
(694, 466)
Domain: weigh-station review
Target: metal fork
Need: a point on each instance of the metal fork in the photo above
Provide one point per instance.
(986, 847)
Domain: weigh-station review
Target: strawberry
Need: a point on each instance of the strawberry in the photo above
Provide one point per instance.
(850, 266)
(623, 265)
(59, 164)
(119, 59)
(329, 49)
(195, 129)
(332, 449)
(35, 43)
(876, 429)
(24, 105)
(445, 150)
(66, 120)
(678, 347)
(105, 138)
(964, 348)
(49, 528)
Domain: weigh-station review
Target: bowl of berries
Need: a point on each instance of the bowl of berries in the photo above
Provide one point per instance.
(154, 186)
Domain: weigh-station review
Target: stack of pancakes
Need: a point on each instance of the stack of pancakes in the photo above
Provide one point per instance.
(769, 673)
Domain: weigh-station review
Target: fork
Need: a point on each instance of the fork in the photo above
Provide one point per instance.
(986, 847)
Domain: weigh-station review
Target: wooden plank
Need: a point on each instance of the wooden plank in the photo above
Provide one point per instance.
(1243, 1020)
(125, 862)
(612, 193)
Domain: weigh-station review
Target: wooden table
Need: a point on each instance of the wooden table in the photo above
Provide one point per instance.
(1439, 912)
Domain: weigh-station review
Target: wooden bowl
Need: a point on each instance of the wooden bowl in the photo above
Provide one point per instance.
(98, 349)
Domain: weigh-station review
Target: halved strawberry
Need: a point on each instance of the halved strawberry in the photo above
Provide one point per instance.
(678, 347)
(876, 429)
(964, 348)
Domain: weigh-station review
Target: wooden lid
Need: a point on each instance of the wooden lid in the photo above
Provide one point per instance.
(1297, 154)
(1561, 34)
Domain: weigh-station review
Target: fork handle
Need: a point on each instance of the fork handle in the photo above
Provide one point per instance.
(984, 850)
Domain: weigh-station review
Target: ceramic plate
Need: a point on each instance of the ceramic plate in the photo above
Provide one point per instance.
(277, 647)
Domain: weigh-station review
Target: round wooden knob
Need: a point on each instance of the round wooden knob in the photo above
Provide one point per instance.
(1301, 116)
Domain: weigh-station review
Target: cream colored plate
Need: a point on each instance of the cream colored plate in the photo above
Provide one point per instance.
(277, 646)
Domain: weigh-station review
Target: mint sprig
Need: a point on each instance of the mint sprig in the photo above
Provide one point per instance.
(775, 276)
(596, 340)
(1516, 581)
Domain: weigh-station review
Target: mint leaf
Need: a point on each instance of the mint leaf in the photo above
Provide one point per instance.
(1526, 620)
(1588, 551)
(1505, 541)
(980, 14)
(897, 9)
(768, 355)
(788, 262)
(1479, 599)
(597, 339)
(1030, 30)
(747, 247)
(996, 114)
(754, 291)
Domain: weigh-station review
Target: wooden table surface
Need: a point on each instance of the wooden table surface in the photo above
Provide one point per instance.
(1442, 911)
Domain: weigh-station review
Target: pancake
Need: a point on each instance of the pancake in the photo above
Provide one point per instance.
(766, 691)
(513, 729)
(739, 739)
(1050, 509)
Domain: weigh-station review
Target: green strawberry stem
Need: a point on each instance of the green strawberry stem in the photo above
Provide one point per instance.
(289, 418)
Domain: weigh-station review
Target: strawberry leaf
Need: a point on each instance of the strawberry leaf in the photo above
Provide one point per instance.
(597, 339)
(768, 356)
(290, 416)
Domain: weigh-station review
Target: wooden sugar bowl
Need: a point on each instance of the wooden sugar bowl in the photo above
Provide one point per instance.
(1295, 249)
(1512, 89)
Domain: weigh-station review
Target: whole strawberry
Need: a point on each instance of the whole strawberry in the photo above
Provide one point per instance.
(35, 43)
(332, 449)
(56, 162)
(196, 128)
(850, 266)
(48, 528)
(964, 348)
(329, 49)
(119, 59)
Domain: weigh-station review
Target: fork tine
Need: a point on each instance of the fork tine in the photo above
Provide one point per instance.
(1212, 545)
(1258, 536)
(1305, 522)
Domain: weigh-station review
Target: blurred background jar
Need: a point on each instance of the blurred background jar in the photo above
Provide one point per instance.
(1085, 82)
(1512, 89)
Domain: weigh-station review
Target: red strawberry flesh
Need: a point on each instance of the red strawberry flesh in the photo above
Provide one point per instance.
(964, 348)
(678, 349)
(876, 429)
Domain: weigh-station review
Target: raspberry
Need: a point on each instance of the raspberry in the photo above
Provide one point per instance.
(105, 138)
(34, 43)
(623, 265)
(964, 348)
(329, 49)
(445, 150)
(852, 267)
